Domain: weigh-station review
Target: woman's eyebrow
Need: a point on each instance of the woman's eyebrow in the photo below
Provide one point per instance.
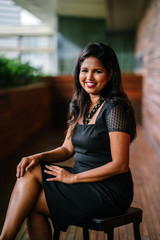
(100, 68)
(83, 67)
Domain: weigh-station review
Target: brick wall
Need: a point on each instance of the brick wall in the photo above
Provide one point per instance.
(26, 110)
(63, 89)
(23, 112)
(148, 46)
(63, 86)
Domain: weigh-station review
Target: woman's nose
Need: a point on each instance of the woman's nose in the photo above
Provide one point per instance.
(89, 76)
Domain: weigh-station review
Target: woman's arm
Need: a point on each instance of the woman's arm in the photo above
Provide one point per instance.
(59, 154)
(119, 142)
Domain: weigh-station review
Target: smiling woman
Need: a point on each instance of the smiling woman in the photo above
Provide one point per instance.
(101, 127)
(93, 76)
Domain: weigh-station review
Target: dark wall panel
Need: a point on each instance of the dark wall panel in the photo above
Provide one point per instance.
(74, 34)
(123, 44)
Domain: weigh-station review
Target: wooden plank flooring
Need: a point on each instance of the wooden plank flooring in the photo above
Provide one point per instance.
(145, 167)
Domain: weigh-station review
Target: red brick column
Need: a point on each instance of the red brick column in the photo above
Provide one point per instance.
(148, 46)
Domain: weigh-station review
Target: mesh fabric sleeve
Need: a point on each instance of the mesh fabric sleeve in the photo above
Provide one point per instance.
(117, 119)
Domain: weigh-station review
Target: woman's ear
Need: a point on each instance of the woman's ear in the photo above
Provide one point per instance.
(110, 74)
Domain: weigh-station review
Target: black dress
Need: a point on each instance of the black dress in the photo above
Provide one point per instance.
(74, 203)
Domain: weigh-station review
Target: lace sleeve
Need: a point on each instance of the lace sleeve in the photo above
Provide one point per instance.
(118, 120)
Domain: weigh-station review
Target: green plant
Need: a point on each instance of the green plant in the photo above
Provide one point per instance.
(14, 73)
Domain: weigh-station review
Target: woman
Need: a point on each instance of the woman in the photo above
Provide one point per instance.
(101, 127)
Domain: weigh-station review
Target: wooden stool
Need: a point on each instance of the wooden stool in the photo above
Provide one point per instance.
(107, 225)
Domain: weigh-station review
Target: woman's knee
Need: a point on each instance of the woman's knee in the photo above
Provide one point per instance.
(33, 175)
(36, 173)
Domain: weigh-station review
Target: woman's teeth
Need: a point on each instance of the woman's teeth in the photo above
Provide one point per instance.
(90, 84)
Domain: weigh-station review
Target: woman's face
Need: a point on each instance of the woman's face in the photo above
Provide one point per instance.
(93, 76)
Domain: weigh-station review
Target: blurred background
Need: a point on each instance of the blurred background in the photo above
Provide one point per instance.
(39, 42)
(48, 33)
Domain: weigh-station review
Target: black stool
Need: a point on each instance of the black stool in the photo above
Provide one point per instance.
(107, 225)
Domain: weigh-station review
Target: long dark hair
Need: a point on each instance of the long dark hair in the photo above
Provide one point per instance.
(112, 92)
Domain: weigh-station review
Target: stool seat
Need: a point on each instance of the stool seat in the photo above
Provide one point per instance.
(107, 225)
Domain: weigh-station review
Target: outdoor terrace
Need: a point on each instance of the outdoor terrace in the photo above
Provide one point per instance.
(145, 167)
(144, 163)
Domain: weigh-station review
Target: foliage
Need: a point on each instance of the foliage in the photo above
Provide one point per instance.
(14, 73)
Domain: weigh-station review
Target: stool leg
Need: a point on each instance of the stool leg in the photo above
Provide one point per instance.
(137, 235)
(56, 234)
(110, 234)
(85, 233)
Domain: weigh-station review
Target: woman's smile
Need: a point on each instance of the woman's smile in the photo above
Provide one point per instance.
(90, 84)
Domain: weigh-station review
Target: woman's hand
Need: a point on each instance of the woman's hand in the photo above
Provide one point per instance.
(60, 174)
(26, 163)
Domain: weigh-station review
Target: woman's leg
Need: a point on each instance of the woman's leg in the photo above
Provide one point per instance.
(23, 199)
(37, 218)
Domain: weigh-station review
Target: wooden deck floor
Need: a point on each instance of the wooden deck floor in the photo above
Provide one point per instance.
(145, 167)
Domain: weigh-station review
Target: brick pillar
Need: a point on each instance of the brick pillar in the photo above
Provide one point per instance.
(148, 47)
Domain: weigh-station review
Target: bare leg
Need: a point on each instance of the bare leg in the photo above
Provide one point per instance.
(23, 199)
(37, 218)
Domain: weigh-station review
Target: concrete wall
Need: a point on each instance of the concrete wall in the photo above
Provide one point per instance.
(148, 52)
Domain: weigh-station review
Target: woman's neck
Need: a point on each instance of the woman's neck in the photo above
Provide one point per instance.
(94, 99)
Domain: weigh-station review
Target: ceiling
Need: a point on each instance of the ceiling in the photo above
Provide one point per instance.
(120, 15)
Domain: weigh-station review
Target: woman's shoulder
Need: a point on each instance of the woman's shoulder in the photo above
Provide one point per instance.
(116, 110)
(118, 115)
(111, 104)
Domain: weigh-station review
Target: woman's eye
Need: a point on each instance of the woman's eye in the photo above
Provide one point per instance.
(98, 71)
(83, 70)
